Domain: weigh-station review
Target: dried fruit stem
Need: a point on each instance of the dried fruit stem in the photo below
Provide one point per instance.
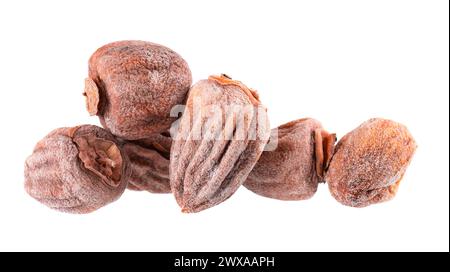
(92, 96)
(324, 149)
(101, 157)
(224, 79)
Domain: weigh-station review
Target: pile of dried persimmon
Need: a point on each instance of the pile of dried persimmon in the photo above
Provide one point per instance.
(202, 142)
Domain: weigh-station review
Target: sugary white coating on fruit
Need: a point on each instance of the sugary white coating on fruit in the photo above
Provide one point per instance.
(57, 176)
(369, 163)
(138, 83)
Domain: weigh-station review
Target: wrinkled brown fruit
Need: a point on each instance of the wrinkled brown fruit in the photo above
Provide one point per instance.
(369, 163)
(149, 163)
(76, 170)
(213, 153)
(293, 170)
(133, 85)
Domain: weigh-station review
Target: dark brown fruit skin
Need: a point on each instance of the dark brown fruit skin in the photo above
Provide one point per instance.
(288, 172)
(138, 84)
(369, 163)
(68, 175)
(206, 172)
(149, 163)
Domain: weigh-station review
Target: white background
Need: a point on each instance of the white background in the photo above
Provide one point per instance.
(341, 62)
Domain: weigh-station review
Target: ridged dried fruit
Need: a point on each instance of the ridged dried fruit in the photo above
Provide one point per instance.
(76, 170)
(293, 170)
(220, 136)
(369, 163)
(149, 163)
(133, 85)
